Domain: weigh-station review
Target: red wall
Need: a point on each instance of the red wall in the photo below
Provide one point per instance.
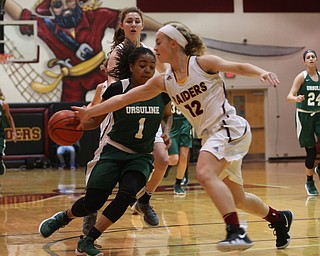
(228, 6)
(186, 5)
(281, 6)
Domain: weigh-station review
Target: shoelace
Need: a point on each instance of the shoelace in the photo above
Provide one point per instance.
(274, 229)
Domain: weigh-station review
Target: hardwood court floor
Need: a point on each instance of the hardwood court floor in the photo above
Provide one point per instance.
(189, 225)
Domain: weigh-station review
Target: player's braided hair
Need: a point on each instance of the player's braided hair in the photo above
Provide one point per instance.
(128, 54)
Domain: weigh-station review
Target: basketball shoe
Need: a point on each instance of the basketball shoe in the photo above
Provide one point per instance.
(52, 224)
(236, 240)
(185, 179)
(86, 247)
(282, 229)
(149, 215)
(178, 190)
(317, 171)
(311, 188)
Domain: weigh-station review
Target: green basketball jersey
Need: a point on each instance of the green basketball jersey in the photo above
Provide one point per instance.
(136, 125)
(311, 92)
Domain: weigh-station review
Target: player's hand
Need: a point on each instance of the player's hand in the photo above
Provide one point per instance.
(271, 77)
(14, 137)
(300, 98)
(166, 139)
(81, 113)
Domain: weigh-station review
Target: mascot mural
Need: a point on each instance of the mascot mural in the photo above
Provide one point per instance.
(73, 31)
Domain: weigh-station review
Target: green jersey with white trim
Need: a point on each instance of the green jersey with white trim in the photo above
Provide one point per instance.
(311, 91)
(136, 125)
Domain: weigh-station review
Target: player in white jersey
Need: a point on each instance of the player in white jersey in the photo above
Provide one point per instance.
(193, 83)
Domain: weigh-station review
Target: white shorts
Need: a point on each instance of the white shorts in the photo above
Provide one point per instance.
(158, 135)
(233, 152)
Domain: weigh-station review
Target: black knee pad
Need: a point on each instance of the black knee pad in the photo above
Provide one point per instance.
(126, 196)
(311, 157)
(92, 206)
(95, 199)
(118, 206)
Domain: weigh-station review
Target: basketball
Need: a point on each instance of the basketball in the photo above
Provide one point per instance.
(62, 128)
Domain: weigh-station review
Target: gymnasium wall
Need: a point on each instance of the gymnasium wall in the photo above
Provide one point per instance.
(280, 25)
(34, 145)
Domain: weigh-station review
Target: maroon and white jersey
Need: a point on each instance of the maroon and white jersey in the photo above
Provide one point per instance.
(201, 98)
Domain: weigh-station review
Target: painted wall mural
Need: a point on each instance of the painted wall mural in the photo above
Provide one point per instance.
(73, 31)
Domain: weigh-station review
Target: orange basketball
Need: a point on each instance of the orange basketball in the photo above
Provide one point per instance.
(62, 128)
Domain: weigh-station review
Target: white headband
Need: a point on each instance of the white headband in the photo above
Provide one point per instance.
(174, 34)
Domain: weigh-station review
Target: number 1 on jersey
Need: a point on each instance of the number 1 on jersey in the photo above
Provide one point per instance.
(139, 134)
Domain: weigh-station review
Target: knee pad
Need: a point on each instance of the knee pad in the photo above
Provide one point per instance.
(95, 199)
(92, 206)
(126, 196)
(311, 157)
(118, 206)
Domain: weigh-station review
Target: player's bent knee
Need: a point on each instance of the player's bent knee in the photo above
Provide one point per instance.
(94, 206)
(128, 197)
(202, 178)
(118, 206)
(161, 162)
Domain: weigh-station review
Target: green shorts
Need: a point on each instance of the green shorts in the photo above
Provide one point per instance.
(181, 139)
(308, 126)
(114, 163)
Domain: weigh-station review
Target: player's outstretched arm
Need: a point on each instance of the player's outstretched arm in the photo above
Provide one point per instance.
(149, 90)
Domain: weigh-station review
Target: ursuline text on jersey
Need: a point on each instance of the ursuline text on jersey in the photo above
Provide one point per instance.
(151, 110)
(313, 88)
